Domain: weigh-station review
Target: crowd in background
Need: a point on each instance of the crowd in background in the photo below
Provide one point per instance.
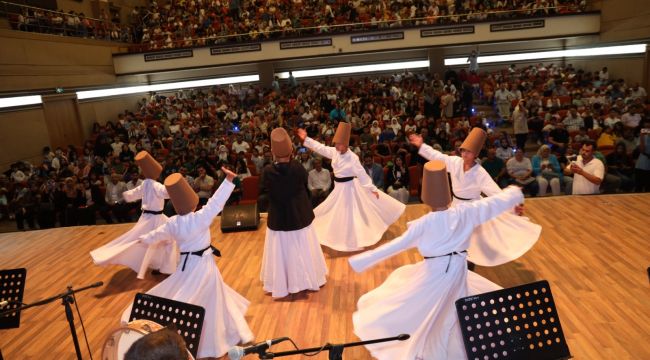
(537, 117)
(182, 23)
(174, 24)
(106, 27)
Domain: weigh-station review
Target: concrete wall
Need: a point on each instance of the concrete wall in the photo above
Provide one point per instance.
(23, 133)
(22, 136)
(39, 61)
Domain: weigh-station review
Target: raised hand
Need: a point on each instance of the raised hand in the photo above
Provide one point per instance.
(229, 174)
(416, 140)
(302, 134)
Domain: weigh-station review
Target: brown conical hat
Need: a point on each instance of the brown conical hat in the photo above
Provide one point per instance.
(435, 185)
(475, 140)
(149, 166)
(342, 135)
(281, 146)
(183, 197)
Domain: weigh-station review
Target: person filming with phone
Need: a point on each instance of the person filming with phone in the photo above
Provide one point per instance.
(588, 172)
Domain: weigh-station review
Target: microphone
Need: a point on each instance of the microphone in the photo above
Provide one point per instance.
(238, 352)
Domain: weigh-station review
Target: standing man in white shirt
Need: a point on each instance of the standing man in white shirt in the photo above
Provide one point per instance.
(115, 199)
(588, 172)
(503, 98)
(319, 182)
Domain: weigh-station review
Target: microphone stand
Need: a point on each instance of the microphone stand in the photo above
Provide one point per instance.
(335, 350)
(67, 299)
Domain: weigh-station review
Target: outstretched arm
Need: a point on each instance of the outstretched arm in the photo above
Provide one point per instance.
(364, 178)
(326, 151)
(134, 194)
(159, 234)
(403, 242)
(160, 189)
(477, 212)
(218, 200)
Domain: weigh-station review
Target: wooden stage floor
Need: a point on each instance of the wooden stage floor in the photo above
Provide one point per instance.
(594, 251)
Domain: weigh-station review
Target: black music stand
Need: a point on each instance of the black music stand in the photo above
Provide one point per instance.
(515, 323)
(12, 289)
(186, 318)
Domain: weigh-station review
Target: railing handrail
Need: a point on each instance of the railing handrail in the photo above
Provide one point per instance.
(48, 10)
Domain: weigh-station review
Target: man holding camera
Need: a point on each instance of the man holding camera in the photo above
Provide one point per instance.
(588, 172)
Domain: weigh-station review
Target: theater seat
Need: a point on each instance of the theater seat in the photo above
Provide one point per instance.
(415, 173)
(250, 190)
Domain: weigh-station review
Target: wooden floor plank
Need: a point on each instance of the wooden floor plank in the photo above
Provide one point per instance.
(593, 250)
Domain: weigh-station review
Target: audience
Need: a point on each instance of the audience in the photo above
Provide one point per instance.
(194, 132)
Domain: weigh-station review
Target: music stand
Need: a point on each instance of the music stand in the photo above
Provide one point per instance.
(12, 289)
(515, 323)
(186, 318)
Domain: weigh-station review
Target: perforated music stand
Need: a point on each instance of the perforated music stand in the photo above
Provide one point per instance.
(515, 323)
(186, 318)
(12, 289)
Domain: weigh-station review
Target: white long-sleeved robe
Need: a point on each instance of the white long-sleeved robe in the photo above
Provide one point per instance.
(499, 240)
(352, 217)
(200, 283)
(419, 299)
(127, 250)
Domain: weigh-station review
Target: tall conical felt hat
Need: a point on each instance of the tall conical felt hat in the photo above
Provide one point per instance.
(475, 140)
(435, 185)
(281, 146)
(181, 193)
(342, 135)
(150, 167)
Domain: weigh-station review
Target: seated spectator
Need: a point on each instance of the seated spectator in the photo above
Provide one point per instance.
(304, 158)
(397, 180)
(496, 167)
(547, 171)
(504, 151)
(612, 118)
(319, 182)
(203, 185)
(581, 136)
(588, 172)
(373, 170)
(4, 204)
(621, 164)
(573, 121)
(642, 166)
(559, 139)
(606, 138)
(520, 171)
(632, 118)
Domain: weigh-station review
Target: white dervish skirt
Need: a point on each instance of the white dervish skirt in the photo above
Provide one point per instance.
(502, 239)
(419, 300)
(352, 218)
(127, 251)
(293, 261)
(201, 284)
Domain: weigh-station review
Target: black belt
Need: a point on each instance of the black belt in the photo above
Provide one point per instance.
(152, 212)
(344, 179)
(450, 255)
(451, 190)
(187, 254)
